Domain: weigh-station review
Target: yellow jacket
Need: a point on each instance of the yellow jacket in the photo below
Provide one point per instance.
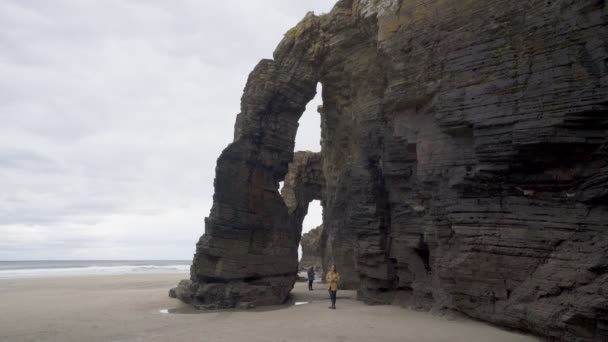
(333, 278)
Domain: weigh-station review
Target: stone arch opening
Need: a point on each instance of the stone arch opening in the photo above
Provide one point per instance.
(312, 220)
(310, 248)
(308, 137)
(304, 185)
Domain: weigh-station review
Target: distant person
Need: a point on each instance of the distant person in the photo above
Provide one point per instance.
(311, 277)
(424, 253)
(333, 278)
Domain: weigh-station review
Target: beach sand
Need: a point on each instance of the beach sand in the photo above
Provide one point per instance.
(128, 308)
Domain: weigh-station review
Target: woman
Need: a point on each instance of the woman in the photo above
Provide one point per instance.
(333, 278)
(311, 277)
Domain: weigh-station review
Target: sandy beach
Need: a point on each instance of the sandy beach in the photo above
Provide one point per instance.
(131, 308)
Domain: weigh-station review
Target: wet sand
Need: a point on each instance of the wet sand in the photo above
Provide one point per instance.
(130, 308)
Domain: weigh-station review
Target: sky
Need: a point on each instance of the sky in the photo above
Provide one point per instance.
(112, 116)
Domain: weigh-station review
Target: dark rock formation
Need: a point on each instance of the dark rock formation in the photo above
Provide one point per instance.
(249, 250)
(312, 252)
(304, 183)
(479, 125)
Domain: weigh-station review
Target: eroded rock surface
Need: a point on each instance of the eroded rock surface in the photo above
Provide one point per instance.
(478, 128)
(248, 253)
(304, 183)
(312, 252)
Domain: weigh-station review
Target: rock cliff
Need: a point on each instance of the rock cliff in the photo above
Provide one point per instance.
(312, 251)
(464, 164)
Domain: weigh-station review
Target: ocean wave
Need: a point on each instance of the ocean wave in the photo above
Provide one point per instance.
(92, 270)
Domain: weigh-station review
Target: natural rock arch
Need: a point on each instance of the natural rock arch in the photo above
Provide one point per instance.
(304, 183)
(481, 128)
(248, 254)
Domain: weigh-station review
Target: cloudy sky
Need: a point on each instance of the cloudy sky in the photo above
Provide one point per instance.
(113, 113)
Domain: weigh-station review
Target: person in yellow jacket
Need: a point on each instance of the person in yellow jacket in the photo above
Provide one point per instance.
(333, 278)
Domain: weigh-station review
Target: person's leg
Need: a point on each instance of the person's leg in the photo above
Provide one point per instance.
(333, 299)
(310, 284)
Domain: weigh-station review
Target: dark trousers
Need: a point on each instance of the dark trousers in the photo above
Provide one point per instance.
(310, 283)
(333, 295)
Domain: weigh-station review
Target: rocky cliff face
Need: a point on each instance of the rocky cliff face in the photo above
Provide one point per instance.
(312, 251)
(464, 163)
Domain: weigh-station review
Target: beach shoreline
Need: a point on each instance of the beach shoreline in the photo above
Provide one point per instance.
(26, 269)
(134, 307)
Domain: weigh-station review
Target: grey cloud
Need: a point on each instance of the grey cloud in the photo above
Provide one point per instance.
(26, 160)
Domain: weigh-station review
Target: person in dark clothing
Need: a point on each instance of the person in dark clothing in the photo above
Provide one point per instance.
(424, 253)
(311, 277)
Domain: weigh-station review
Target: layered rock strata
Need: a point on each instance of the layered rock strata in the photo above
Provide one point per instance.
(312, 251)
(475, 128)
(303, 184)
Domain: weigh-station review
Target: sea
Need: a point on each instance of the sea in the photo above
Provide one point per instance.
(66, 268)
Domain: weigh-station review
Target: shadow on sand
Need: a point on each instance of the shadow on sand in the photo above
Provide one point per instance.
(298, 296)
